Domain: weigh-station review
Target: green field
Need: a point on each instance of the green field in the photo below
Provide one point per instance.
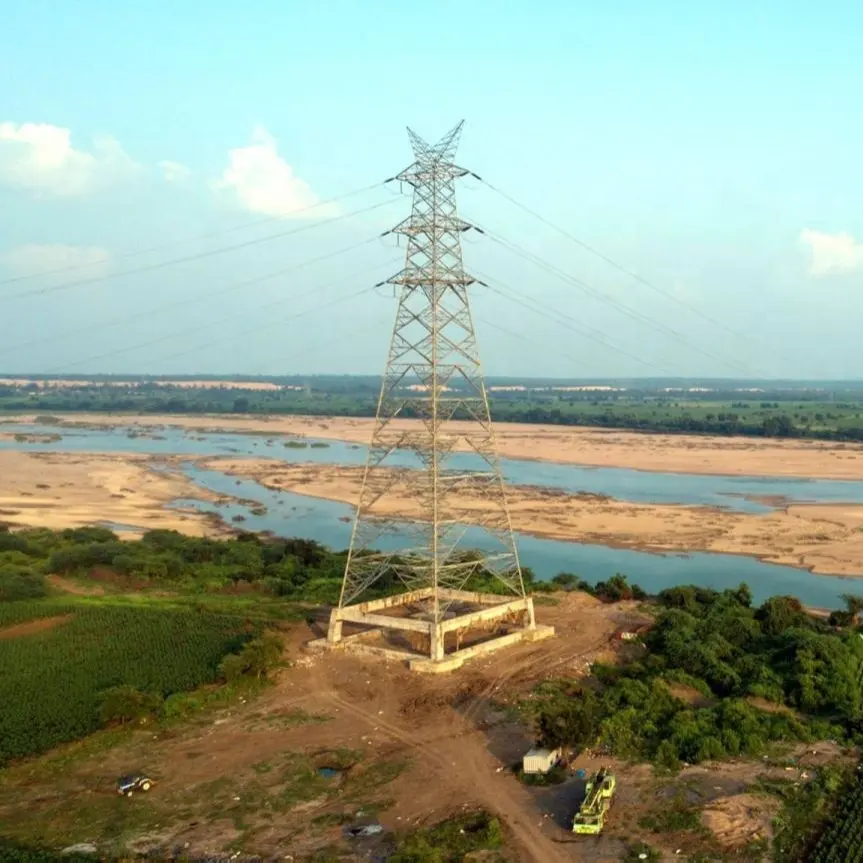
(824, 410)
(842, 841)
(51, 680)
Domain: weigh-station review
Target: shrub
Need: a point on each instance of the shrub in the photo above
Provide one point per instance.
(256, 660)
(122, 704)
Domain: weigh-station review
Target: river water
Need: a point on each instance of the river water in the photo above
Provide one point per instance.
(291, 514)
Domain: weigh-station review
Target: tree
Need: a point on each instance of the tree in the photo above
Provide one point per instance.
(566, 580)
(854, 605)
(780, 613)
(257, 659)
(124, 704)
(780, 426)
(569, 721)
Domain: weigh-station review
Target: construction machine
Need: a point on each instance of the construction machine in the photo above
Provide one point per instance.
(590, 818)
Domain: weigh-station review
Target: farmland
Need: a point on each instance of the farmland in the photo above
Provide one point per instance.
(843, 838)
(59, 673)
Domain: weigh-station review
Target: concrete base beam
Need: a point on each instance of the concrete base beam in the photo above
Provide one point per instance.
(457, 659)
(492, 608)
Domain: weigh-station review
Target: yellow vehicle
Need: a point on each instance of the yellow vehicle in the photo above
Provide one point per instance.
(590, 818)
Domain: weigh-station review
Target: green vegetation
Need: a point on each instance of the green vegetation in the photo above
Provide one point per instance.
(181, 623)
(832, 411)
(807, 809)
(450, 841)
(104, 665)
(843, 838)
(174, 613)
(617, 587)
(672, 816)
(726, 653)
(14, 852)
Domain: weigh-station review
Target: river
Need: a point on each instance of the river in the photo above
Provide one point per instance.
(328, 522)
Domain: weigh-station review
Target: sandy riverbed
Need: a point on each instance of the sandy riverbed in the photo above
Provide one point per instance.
(60, 490)
(733, 456)
(823, 538)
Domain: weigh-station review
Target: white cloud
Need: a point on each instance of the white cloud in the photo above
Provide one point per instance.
(263, 182)
(33, 259)
(174, 172)
(832, 253)
(40, 157)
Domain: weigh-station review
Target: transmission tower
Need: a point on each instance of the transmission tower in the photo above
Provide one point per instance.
(433, 443)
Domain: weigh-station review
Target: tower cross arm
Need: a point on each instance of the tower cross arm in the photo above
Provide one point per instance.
(412, 277)
(420, 174)
(415, 224)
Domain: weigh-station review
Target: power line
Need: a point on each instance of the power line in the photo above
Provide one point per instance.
(604, 298)
(631, 273)
(524, 338)
(137, 252)
(204, 296)
(221, 250)
(337, 339)
(220, 340)
(274, 323)
(564, 320)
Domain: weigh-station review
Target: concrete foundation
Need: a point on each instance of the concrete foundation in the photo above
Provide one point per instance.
(513, 619)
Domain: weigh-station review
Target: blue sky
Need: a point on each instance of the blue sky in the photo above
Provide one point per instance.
(712, 147)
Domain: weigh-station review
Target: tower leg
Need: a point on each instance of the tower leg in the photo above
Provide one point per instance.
(436, 640)
(530, 618)
(334, 633)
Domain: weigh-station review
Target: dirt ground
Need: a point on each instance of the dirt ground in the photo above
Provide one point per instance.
(61, 490)
(732, 456)
(821, 538)
(453, 734)
(32, 627)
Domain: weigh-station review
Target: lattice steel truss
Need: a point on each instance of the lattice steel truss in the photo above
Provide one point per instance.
(433, 376)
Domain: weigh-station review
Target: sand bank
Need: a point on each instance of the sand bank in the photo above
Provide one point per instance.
(60, 490)
(731, 456)
(825, 539)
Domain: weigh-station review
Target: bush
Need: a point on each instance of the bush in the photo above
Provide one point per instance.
(256, 660)
(617, 588)
(18, 582)
(555, 776)
(122, 704)
(717, 644)
(450, 841)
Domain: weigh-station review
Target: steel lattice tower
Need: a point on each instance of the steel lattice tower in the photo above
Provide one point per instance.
(433, 377)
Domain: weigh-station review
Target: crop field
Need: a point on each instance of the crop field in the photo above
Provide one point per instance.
(842, 841)
(51, 677)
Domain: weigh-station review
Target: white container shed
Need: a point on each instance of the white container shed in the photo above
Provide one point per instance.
(540, 760)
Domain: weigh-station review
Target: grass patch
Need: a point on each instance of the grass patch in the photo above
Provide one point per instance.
(292, 718)
(674, 816)
(806, 809)
(361, 779)
(100, 815)
(450, 841)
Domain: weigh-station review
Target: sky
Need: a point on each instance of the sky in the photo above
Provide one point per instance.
(198, 187)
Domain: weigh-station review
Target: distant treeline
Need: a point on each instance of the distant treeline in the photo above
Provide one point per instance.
(750, 415)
